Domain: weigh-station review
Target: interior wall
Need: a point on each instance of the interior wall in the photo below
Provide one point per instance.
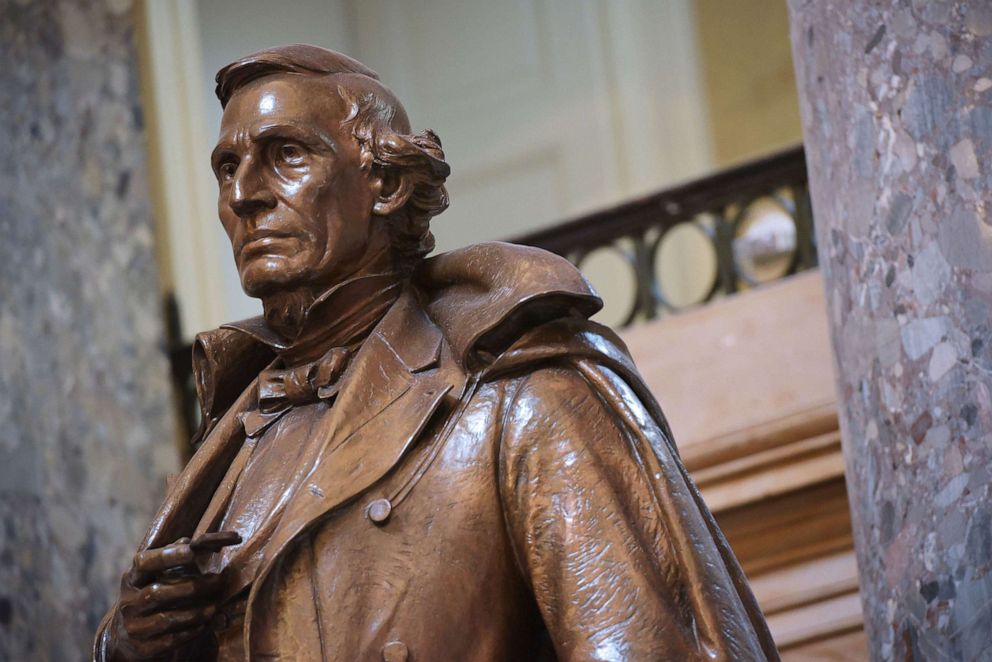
(85, 399)
(747, 69)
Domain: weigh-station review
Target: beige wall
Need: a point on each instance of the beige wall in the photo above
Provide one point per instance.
(748, 77)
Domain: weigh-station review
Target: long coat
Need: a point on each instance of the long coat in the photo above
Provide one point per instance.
(494, 482)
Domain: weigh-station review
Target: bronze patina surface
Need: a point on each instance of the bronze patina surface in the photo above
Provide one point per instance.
(411, 458)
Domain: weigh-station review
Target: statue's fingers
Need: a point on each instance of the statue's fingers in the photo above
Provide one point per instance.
(176, 639)
(215, 541)
(164, 644)
(164, 558)
(186, 591)
(169, 621)
(151, 561)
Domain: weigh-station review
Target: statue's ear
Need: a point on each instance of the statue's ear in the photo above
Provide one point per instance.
(396, 188)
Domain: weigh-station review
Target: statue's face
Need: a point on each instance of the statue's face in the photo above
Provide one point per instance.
(293, 199)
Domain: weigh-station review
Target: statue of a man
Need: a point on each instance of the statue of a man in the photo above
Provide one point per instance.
(411, 458)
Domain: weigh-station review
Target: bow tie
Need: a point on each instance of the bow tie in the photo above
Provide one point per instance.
(281, 389)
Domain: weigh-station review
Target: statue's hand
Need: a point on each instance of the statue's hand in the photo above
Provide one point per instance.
(165, 600)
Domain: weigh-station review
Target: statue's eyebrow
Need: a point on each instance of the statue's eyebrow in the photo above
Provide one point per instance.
(219, 152)
(307, 135)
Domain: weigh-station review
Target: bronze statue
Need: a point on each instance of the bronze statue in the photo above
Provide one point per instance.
(411, 458)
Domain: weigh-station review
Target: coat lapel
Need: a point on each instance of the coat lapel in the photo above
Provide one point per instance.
(192, 491)
(394, 385)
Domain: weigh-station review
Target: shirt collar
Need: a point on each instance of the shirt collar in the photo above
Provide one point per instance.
(342, 315)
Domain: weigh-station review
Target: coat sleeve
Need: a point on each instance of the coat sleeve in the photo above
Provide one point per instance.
(623, 559)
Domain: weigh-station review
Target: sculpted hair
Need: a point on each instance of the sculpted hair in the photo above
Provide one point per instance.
(378, 121)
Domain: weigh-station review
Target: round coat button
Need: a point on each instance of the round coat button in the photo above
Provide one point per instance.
(378, 511)
(395, 651)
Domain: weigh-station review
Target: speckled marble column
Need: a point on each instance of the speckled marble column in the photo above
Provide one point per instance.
(87, 432)
(896, 98)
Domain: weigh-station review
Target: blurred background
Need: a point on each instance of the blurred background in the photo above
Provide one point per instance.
(655, 144)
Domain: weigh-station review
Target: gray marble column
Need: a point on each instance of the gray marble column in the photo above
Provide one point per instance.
(86, 429)
(896, 99)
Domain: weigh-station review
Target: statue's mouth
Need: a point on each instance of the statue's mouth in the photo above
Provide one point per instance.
(268, 245)
(263, 241)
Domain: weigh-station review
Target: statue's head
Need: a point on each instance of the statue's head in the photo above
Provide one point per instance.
(319, 172)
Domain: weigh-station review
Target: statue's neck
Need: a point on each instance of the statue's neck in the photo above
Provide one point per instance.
(286, 312)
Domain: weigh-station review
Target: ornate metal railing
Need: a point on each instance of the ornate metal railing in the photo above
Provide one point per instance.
(732, 230)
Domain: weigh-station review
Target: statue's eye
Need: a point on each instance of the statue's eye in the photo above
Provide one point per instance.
(227, 169)
(290, 154)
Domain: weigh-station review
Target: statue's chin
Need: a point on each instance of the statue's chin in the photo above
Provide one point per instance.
(262, 279)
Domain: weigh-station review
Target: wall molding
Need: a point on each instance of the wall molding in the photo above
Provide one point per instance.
(180, 177)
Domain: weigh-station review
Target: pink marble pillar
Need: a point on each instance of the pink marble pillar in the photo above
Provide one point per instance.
(896, 98)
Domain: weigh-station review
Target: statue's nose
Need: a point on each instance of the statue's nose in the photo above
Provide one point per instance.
(249, 196)
(248, 207)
